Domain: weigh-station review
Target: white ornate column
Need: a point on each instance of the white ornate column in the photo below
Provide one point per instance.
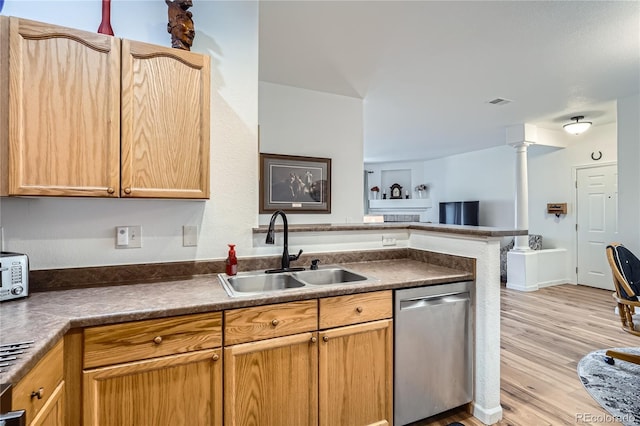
(522, 196)
(521, 261)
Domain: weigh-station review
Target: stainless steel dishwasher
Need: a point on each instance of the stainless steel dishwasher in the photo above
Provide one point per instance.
(433, 361)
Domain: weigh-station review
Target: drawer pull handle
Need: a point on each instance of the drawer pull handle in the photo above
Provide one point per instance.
(110, 190)
(216, 357)
(359, 309)
(37, 394)
(325, 338)
(313, 339)
(157, 340)
(127, 190)
(275, 322)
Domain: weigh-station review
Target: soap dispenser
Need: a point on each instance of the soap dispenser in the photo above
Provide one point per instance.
(232, 260)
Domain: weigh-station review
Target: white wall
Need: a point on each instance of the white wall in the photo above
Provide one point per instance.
(309, 123)
(60, 233)
(629, 172)
(486, 175)
(489, 176)
(552, 180)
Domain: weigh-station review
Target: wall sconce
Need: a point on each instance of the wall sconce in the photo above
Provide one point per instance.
(557, 208)
(577, 127)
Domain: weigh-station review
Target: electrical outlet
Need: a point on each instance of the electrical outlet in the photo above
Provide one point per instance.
(388, 240)
(189, 236)
(128, 236)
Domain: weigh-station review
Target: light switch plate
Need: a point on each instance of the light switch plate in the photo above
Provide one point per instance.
(189, 236)
(128, 236)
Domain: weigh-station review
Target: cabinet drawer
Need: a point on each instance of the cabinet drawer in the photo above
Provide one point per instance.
(40, 382)
(118, 343)
(264, 322)
(355, 308)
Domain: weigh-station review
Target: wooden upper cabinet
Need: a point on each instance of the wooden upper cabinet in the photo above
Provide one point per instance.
(63, 111)
(165, 122)
(94, 115)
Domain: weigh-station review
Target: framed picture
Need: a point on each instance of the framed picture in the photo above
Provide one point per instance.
(295, 184)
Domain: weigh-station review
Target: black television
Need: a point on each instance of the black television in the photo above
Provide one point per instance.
(459, 212)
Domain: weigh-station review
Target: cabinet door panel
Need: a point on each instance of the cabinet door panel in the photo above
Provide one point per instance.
(356, 381)
(175, 390)
(44, 377)
(64, 96)
(52, 413)
(272, 382)
(165, 122)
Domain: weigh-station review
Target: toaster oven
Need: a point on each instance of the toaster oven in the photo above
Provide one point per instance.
(14, 271)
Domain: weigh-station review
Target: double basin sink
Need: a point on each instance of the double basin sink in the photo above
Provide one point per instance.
(257, 283)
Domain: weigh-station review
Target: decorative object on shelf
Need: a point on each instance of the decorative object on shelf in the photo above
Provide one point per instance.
(406, 194)
(384, 195)
(577, 127)
(295, 184)
(421, 189)
(374, 192)
(180, 24)
(396, 191)
(105, 24)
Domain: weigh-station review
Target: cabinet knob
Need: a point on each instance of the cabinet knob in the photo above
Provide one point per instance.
(359, 309)
(216, 357)
(37, 394)
(313, 339)
(110, 190)
(325, 338)
(275, 322)
(157, 340)
(127, 191)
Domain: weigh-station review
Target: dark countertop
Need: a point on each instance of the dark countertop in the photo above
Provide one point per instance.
(46, 316)
(479, 231)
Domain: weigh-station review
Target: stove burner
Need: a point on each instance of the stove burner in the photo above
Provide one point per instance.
(10, 352)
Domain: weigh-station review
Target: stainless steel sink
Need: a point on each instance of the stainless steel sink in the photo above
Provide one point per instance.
(257, 283)
(327, 276)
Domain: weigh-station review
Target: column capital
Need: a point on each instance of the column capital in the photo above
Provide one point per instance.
(521, 146)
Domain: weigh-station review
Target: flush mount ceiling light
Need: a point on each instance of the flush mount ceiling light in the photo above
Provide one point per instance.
(577, 127)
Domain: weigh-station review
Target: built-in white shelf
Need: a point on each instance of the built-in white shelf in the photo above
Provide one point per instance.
(401, 204)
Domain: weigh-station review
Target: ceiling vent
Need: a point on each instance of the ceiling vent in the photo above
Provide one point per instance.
(499, 101)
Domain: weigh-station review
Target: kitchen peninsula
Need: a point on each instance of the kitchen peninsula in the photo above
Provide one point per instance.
(424, 254)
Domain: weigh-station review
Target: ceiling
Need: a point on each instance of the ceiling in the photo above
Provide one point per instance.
(426, 70)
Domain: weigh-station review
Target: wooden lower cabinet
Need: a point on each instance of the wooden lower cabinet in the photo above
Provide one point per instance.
(184, 389)
(272, 382)
(52, 413)
(356, 375)
(41, 391)
(341, 375)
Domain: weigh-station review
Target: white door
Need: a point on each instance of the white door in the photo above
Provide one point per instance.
(597, 223)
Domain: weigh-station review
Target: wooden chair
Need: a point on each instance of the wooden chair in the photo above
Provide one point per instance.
(625, 268)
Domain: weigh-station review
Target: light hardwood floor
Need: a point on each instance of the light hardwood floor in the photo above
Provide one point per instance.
(543, 336)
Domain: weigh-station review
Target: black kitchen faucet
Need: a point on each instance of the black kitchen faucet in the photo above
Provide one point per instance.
(286, 257)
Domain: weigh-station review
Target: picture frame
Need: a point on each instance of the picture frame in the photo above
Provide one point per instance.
(295, 184)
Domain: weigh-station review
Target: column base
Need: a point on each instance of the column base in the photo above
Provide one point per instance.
(488, 416)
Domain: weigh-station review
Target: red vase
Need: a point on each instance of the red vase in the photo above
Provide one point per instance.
(105, 25)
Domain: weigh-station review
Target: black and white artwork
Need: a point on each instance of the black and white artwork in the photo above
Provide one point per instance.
(295, 184)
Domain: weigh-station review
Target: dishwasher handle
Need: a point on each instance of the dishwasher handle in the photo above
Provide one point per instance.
(428, 301)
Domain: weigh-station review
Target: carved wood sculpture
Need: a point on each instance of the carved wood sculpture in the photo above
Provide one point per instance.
(180, 24)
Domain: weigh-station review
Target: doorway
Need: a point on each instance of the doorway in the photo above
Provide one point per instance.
(596, 223)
